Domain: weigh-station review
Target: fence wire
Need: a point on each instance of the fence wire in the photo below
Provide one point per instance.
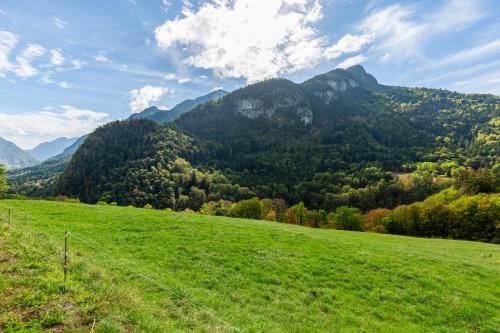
(57, 250)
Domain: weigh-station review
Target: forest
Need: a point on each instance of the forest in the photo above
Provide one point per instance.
(302, 152)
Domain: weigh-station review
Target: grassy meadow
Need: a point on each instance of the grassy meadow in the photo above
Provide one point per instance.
(139, 270)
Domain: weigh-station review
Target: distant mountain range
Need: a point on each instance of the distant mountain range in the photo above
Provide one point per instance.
(37, 180)
(52, 148)
(167, 116)
(12, 157)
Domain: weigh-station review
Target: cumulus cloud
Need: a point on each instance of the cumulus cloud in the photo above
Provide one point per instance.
(143, 97)
(247, 38)
(356, 60)
(30, 128)
(24, 67)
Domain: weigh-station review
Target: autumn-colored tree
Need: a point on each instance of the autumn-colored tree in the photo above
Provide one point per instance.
(372, 221)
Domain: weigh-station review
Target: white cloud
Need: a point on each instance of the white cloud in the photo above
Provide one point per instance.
(166, 4)
(60, 23)
(24, 67)
(356, 60)
(247, 38)
(474, 53)
(7, 43)
(184, 80)
(30, 128)
(347, 44)
(170, 76)
(393, 29)
(56, 58)
(143, 97)
(65, 85)
(101, 58)
(399, 30)
(78, 64)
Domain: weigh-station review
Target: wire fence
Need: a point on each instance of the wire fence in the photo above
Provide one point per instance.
(19, 220)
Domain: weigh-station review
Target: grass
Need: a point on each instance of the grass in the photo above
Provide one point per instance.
(152, 271)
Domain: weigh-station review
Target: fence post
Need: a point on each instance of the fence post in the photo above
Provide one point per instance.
(65, 258)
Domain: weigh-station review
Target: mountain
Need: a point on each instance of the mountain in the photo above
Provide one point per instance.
(12, 157)
(335, 139)
(167, 116)
(38, 180)
(52, 148)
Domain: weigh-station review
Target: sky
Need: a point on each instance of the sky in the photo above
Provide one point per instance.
(67, 67)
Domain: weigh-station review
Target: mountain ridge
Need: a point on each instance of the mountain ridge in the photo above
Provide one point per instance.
(46, 150)
(165, 116)
(319, 142)
(13, 157)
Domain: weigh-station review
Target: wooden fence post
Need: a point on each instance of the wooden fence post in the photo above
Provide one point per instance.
(65, 258)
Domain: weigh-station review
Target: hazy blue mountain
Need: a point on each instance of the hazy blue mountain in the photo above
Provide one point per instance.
(13, 157)
(52, 148)
(167, 116)
(37, 180)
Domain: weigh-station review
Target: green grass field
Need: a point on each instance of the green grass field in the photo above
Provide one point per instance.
(136, 270)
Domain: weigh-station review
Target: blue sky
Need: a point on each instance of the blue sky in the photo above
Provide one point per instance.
(69, 66)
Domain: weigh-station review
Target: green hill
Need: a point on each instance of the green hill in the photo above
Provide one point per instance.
(154, 271)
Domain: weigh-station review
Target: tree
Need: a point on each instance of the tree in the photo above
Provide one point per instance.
(299, 211)
(248, 209)
(348, 218)
(372, 221)
(3, 179)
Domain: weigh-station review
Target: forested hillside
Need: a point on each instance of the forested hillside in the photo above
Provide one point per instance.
(339, 138)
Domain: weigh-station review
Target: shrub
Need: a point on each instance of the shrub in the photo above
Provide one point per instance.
(348, 218)
(148, 206)
(101, 203)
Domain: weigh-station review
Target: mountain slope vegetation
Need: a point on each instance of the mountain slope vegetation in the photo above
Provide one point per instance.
(325, 142)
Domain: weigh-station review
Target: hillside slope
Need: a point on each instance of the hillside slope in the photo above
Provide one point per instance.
(185, 272)
(13, 157)
(313, 142)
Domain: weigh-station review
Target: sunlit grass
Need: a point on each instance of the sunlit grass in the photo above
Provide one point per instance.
(145, 270)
